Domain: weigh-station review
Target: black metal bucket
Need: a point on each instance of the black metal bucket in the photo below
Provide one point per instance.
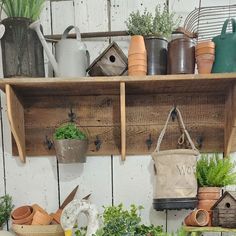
(157, 55)
(22, 51)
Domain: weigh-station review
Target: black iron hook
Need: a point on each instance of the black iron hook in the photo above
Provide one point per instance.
(98, 143)
(174, 114)
(199, 142)
(71, 115)
(149, 142)
(48, 143)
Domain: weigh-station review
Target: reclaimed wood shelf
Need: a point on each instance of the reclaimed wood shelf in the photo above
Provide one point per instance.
(122, 115)
(196, 231)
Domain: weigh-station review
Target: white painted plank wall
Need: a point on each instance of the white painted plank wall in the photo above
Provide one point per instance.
(106, 178)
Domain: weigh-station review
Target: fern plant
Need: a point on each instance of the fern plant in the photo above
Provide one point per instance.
(23, 8)
(69, 131)
(215, 171)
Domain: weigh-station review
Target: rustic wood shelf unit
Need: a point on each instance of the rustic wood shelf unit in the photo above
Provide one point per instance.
(124, 115)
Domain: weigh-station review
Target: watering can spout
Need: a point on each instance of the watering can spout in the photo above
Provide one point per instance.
(36, 26)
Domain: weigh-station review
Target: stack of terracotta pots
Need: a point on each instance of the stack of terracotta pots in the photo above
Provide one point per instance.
(137, 58)
(198, 217)
(205, 56)
(31, 215)
(207, 197)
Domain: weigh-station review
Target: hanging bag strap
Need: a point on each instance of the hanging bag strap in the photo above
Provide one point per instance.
(182, 126)
(223, 31)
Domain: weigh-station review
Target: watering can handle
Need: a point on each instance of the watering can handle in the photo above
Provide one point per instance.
(68, 29)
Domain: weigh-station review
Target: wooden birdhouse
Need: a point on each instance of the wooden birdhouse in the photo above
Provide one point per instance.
(111, 62)
(224, 211)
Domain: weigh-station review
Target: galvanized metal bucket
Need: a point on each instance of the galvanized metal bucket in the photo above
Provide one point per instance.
(71, 151)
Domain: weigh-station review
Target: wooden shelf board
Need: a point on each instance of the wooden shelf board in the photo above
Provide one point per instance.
(136, 105)
(208, 229)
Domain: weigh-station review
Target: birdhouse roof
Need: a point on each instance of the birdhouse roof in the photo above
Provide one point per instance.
(227, 193)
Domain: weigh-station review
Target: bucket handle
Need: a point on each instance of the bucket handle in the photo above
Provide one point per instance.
(68, 29)
(181, 124)
(233, 22)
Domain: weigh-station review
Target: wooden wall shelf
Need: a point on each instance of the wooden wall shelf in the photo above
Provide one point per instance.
(124, 113)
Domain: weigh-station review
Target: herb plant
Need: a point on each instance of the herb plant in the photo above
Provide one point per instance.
(162, 24)
(69, 131)
(215, 171)
(6, 207)
(22, 8)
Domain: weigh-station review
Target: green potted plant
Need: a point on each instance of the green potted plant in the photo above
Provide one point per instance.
(71, 144)
(21, 49)
(157, 31)
(212, 174)
(6, 207)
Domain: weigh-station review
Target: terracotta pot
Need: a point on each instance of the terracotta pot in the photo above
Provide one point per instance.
(21, 212)
(205, 44)
(137, 45)
(137, 62)
(137, 56)
(204, 51)
(209, 193)
(138, 68)
(36, 207)
(57, 216)
(205, 63)
(198, 217)
(138, 73)
(25, 221)
(41, 218)
(206, 204)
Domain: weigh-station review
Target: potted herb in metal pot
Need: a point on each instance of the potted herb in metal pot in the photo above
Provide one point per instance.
(71, 144)
(213, 173)
(156, 31)
(6, 207)
(21, 49)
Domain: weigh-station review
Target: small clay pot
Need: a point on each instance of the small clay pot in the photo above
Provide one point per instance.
(137, 56)
(41, 218)
(25, 221)
(206, 204)
(205, 51)
(137, 45)
(209, 193)
(57, 216)
(21, 212)
(198, 217)
(205, 63)
(138, 67)
(205, 44)
(138, 73)
(36, 207)
(137, 62)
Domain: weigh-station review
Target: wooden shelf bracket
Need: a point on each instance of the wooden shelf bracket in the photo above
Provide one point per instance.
(123, 121)
(15, 113)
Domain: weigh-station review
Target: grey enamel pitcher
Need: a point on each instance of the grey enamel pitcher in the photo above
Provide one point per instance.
(72, 57)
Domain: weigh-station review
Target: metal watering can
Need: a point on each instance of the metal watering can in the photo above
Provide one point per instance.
(72, 57)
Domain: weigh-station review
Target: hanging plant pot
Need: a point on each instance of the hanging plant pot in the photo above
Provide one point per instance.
(71, 151)
(156, 55)
(181, 56)
(22, 52)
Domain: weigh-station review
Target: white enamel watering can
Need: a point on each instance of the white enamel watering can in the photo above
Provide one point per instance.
(72, 57)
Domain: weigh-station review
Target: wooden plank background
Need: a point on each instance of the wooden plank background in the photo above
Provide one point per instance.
(109, 180)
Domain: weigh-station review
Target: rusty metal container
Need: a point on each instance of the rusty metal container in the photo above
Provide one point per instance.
(181, 56)
(71, 150)
(157, 48)
(112, 62)
(22, 52)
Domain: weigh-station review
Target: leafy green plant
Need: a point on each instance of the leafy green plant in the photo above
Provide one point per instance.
(215, 171)
(6, 207)
(162, 24)
(22, 8)
(69, 131)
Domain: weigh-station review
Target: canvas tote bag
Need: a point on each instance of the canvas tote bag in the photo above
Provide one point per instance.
(225, 49)
(176, 184)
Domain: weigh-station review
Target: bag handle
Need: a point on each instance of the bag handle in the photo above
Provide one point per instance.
(68, 29)
(233, 22)
(165, 127)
